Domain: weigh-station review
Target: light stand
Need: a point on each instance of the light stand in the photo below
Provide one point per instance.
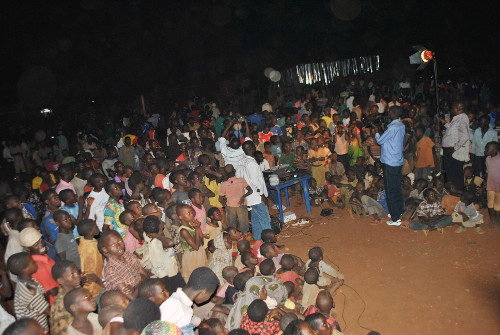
(423, 57)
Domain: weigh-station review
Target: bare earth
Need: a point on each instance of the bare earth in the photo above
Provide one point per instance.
(410, 283)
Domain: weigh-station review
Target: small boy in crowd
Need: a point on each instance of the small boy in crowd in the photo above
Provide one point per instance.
(154, 289)
(91, 261)
(258, 321)
(466, 214)
(66, 245)
(29, 297)
(114, 207)
(81, 305)
(68, 277)
(316, 260)
(71, 206)
(233, 193)
(122, 270)
(32, 240)
(430, 214)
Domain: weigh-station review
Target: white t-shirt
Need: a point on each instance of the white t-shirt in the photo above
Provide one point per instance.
(250, 170)
(97, 207)
(232, 156)
(341, 145)
(264, 165)
(178, 310)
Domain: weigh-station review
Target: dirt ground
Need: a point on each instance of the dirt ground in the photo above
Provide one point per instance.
(398, 281)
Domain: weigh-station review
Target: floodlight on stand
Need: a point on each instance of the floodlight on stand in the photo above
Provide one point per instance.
(422, 57)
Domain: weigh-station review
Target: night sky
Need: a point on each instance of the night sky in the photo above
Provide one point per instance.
(102, 48)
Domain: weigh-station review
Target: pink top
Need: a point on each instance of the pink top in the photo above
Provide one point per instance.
(222, 291)
(131, 243)
(493, 168)
(233, 188)
(64, 186)
(201, 215)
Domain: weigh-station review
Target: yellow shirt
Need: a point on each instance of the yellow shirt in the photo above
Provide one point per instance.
(213, 186)
(91, 262)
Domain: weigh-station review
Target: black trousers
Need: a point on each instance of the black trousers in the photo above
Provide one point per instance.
(453, 169)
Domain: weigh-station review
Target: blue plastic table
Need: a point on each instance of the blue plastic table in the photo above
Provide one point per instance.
(285, 185)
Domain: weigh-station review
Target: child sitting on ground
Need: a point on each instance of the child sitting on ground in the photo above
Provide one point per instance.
(430, 214)
(80, 303)
(66, 245)
(324, 305)
(316, 261)
(418, 189)
(466, 214)
(257, 320)
(250, 261)
(243, 245)
(450, 200)
(32, 240)
(267, 268)
(122, 270)
(90, 258)
(154, 289)
(228, 273)
(29, 297)
(439, 188)
(66, 274)
(310, 289)
(474, 184)
(239, 283)
(286, 273)
(270, 251)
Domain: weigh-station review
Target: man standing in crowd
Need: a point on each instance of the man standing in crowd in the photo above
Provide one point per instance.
(255, 179)
(456, 145)
(392, 158)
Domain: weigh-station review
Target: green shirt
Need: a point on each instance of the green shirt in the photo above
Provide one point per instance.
(288, 158)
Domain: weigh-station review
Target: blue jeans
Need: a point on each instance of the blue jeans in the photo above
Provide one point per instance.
(260, 220)
(445, 221)
(393, 191)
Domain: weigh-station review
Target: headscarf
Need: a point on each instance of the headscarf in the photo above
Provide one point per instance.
(275, 289)
(159, 327)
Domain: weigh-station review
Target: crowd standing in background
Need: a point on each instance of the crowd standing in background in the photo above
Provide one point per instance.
(162, 225)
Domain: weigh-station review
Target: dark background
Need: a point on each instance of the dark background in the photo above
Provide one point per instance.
(114, 50)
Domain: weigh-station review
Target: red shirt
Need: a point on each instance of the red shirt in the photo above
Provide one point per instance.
(288, 276)
(264, 327)
(44, 274)
(265, 137)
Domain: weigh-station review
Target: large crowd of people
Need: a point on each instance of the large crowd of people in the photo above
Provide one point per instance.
(161, 224)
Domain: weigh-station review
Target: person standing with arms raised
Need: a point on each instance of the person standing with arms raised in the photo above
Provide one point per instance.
(391, 142)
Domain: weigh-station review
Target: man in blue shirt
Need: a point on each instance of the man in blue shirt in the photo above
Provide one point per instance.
(391, 142)
(256, 118)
